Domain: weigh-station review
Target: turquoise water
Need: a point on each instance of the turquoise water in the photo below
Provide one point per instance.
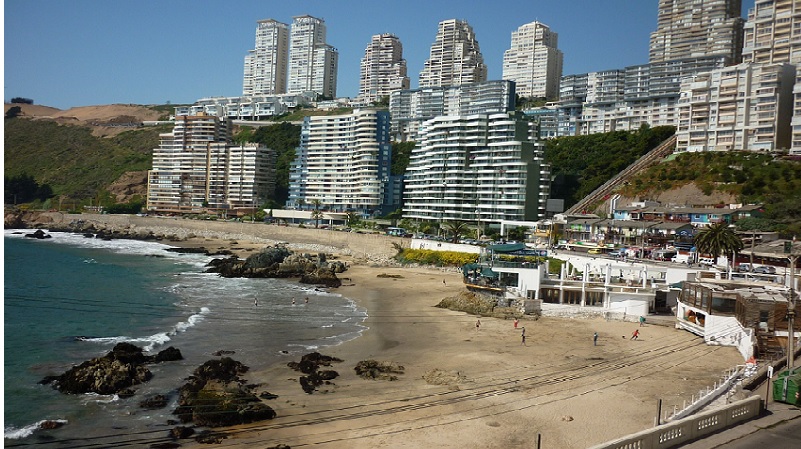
(69, 299)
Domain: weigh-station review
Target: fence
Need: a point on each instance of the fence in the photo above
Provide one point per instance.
(684, 430)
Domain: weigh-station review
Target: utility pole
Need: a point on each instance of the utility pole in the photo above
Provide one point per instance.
(792, 258)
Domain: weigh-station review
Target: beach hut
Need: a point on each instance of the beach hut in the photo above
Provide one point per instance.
(787, 387)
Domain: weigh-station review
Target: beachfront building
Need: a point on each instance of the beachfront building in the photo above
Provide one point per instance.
(480, 168)
(312, 62)
(409, 109)
(751, 316)
(747, 107)
(266, 64)
(196, 168)
(455, 58)
(383, 69)
(343, 164)
(534, 61)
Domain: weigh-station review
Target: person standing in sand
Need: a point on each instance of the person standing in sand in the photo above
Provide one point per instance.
(523, 337)
(595, 339)
(516, 322)
(256, 301)
(306, 300)
(478, 325)
(293, 301)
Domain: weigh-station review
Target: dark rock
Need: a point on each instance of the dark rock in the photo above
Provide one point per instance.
(168, 355)
(49, 424)
(114, 373)
(223, 352)
(38, 234)
(214, 396)
(267, 395)
(154, 402)
(309, 364)
(198, 250)
(181, 432)
(126, 393)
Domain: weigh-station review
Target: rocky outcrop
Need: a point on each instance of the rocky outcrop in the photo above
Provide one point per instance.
(114, 373)
(375, 370)
(215, 396)
(310, 366)
(38, 234)
(279, 262)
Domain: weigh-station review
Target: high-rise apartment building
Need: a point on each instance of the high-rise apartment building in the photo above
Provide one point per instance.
(411, 108)
(454, 58)
(483, 168)
(383, 69)
(697, 28)
(196, 168)
(312, 62)
(343, 162)
(534, 61)
(773, 32)
(266, 64)
(742, 107)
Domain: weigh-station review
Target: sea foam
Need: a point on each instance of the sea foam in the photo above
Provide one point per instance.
(13, 433)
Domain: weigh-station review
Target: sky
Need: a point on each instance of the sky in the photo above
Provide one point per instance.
(92, 52)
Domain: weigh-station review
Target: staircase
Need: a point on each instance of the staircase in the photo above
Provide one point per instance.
(652, 157)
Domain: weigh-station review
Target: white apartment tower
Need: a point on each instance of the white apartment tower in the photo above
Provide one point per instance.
(266, 65)
(697, 28)
(343, 162)
(455, 57)
(534, 61)
(312, 62)
(747, 107)
(196, 168)
(481, 168)
(383, 69)
(773, 32)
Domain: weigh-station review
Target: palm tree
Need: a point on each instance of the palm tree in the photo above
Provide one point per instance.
(455, 228)
(316, 214)
(718, 239)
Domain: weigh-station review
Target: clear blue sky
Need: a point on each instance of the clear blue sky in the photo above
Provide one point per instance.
(85, 52)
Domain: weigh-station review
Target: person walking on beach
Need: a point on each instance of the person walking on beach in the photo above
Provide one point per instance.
(642, 321)
(478, 325)
(307, 300)
(256, 301)
(595, 339)
(293, 301)
(635, 335)
(523, 337)
(516, 321)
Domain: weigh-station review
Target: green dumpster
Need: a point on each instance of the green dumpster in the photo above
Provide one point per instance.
(787, 387)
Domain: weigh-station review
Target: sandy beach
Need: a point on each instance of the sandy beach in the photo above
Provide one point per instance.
(470, 387)
(467, 387)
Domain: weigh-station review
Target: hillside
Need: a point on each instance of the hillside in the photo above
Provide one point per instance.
(82, 152)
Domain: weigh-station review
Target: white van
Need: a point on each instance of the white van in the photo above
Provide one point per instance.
(680, 258)
(706, 260)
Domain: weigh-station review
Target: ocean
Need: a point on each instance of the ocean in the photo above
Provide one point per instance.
(70, 298)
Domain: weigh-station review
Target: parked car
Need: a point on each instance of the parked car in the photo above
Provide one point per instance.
(596, 251)
(620, 252)
(706, 261)
(744, 267)
(765, 269)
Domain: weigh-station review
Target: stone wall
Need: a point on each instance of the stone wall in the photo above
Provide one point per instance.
(371, 247)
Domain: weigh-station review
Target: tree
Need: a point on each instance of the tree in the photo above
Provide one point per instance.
(316, 214)
(518, 233)
(718, 239)
(455, 228)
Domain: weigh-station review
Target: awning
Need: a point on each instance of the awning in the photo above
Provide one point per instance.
(488, 273)
(507, 248)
